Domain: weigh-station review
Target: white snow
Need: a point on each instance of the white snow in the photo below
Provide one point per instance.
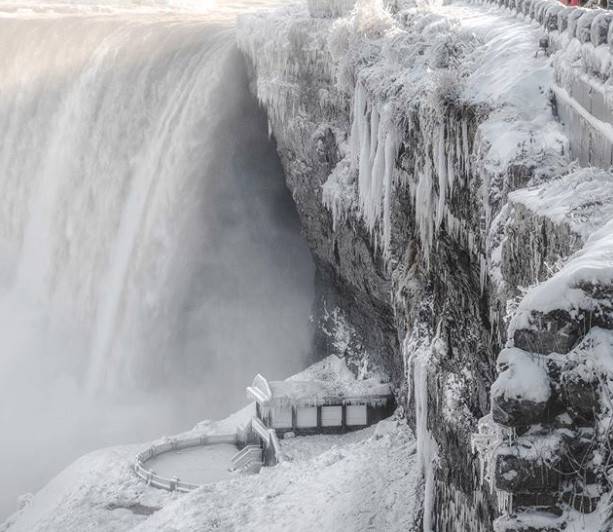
(90, 495)
(522, 376)
(535, 448)
(563, 290)
(583, 199)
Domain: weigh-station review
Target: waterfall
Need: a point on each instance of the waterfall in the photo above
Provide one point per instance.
(150, 256)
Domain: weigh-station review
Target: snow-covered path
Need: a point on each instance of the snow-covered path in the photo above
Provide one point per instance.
(508, 76)
(508, 70)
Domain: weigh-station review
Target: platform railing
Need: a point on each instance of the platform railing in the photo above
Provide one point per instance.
(174, 484)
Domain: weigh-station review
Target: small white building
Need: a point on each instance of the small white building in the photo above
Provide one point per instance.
(320, 407)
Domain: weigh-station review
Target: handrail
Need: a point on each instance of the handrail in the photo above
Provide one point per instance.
(269, 438)
(244, 452)
(260, 428)
(274, 441)
(251, 454)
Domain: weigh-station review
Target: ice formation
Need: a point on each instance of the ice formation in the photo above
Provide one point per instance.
(418, 352)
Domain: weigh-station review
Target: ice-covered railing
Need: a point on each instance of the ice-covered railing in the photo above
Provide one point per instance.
(587, 25)
(249, 456)
(330, 8)
(270, 442)
(174, 444)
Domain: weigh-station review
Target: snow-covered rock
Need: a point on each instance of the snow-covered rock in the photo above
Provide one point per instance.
(520, 395)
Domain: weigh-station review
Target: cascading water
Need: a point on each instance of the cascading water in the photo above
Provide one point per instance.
(150, 257)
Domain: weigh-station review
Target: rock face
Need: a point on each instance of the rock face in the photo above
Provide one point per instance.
(433, 182)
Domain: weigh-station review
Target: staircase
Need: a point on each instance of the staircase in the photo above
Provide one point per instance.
(248, 460)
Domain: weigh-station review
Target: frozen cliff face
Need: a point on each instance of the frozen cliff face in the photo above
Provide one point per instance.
(432, 177)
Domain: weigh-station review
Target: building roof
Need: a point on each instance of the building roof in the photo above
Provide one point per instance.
(318, 392)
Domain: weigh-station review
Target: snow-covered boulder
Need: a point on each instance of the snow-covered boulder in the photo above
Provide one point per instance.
(521, 393)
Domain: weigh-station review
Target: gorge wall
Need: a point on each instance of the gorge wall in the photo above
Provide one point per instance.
(439, 157)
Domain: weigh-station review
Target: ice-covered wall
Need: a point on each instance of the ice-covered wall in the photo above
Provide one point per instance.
(435, 186)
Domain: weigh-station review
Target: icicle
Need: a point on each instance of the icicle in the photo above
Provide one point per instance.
(482, 272)
(427, 450)
(423, 209)
(357, 125)
(364, 165)
(391, 151)
(465, 151)
(441, 168)
(374, 133)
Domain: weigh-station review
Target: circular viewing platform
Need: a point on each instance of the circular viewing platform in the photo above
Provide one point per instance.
(203, 464)
(188, 463)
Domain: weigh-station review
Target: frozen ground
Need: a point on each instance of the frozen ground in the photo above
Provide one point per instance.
(307, 447)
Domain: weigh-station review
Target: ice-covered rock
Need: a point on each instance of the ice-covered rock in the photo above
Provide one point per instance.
(450, 197)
